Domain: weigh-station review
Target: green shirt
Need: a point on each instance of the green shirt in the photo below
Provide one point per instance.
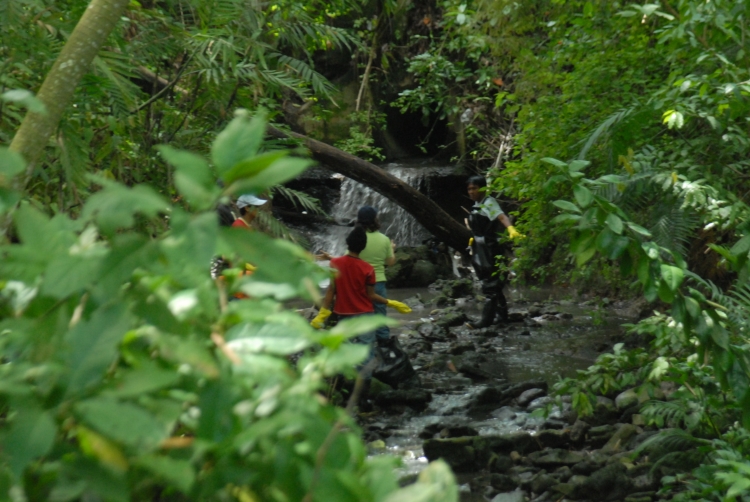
(378, 250)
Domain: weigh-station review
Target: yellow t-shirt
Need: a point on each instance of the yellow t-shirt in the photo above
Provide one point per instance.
(378, 250)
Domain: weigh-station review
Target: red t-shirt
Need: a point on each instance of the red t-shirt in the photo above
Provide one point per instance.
(354, 275)
(240, 223)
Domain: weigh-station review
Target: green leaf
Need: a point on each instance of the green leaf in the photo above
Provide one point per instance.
(693, 307)
(141, 380)
(565, 218)
(362, 324)
(585, 256)
(240, 140)
(614, 223)
(193, 177)
(554, 162)
(434, 484)
(253, 166)
(567, 206)
(617, 247)
(268, 338)
(651, 250)
(92, 346)
(665, 293)
(741, 247)
(672, 276)
(125, 423)
(651, 291)
(30, 435)
(179, 473)
(116, 205)
(11, 163)
(639, 229)
(25, 98)
(577, 166)
(583, 195)
(281, 170)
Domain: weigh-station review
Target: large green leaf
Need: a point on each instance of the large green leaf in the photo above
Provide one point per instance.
(583, 195)
(567, 206)
(278, 172)
(239, 141)
(30, 435)
(115, 206)
(91, 346)
(614, 223)
(672, 276)
(266, 338)
(179, 473)
(193, 177)
(253, 166)
(11, 163)
(123, 422)
(140, 380)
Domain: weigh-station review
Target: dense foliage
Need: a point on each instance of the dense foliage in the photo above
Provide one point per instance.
(127, 375)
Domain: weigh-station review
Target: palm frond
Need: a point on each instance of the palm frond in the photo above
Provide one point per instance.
(606, 128)
(319, 83)
(266, 222)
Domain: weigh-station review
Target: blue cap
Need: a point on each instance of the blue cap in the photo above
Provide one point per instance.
(366, 214)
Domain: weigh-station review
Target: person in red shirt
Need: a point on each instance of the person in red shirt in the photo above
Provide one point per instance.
(248, 206)
(353, 287)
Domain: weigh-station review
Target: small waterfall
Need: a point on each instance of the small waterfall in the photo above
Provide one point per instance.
(395, 222)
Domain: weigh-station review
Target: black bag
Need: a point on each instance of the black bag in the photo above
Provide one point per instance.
(394, 365)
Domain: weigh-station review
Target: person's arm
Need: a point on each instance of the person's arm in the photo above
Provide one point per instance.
(505, 220)
(325, 308)
(392, 258)
(328, 298)
(374, 297)
(512, 232)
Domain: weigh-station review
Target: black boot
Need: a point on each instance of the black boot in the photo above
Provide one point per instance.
(502, 309)
(488, 314)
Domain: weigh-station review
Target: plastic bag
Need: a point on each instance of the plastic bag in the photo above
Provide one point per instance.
(394, 366)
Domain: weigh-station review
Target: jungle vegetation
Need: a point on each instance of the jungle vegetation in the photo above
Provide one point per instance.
(617, 133)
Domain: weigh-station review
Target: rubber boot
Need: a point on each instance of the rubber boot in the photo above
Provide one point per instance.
(502, 309)
(488, 314)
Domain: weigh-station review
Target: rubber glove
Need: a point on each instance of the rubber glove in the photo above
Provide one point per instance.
(320, 319)
(402, 308)
(471, 241)
(515, 234)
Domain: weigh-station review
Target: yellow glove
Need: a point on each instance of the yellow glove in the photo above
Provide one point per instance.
(320, 319)
(402, 308)
(471, 241)
(515, 234)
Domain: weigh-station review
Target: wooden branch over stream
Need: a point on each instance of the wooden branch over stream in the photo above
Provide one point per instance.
(428, 213)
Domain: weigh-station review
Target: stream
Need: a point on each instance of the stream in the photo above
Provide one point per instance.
(564, 336)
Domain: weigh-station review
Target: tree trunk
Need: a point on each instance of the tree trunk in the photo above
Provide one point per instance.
(56, 92)
(424, 210)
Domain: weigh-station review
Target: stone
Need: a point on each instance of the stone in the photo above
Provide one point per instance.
(504, 444)
(433, 332)
(542, 482)
(565, 489)
(422, 274)
(577, 480)
(554, 424)
(413, 398)
(584, 468)
(604, 405)
(490, 396)
(578, 431)
(528, 396)
(502, 482)
(609, 483)
(471, 363)
(458, 288)
(562, 474)
(504, 413)
(514, 496)
(461, 348)
(626, 399)
(540, 402)
(638, 420)
(555, 458)
(499, 463)
(553, 438)
(459, 453)
(458, 431)
(620, 438)
(452, 316)
(443, 301)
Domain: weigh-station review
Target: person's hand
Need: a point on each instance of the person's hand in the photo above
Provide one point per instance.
(402, 308)
(320, 319)
(471, 241)
(515, 234)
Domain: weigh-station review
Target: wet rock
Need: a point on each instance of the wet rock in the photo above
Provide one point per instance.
(451, 316)
(443, 301)
(552, 458)
(640, 497)
(517, 315)
(422, 273)
(578, 431)
(415, 302)
(529, 395)
(626, 399)
(554, 424)
(584, 468)
(599, 435)
(620, 438)
(490, 397)
(608, 483)
(458, 431)
(471, 363)
(627, 415)
(549, 311)
(514, 496)
(457, 452)
(564, 489)
(540, 402)
(645, 482)
(458, 288)
(604, 405)
(542, 482)
(499, 463)
(554, 438)
(417, 347)
(502, 482)
(504, 413)
(504, 444)
(413, 398)
(461, 348)
(562, 474)
(431, 331)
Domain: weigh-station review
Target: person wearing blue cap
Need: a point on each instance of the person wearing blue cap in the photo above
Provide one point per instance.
(378, 253)
(248, 205)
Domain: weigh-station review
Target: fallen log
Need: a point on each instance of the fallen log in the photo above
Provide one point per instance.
(428, 213)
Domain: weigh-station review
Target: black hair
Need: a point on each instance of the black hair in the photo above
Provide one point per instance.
(356, 240)
(477, 181)
(226, 218)
(372, 226)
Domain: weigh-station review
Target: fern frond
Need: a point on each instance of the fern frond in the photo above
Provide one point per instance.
(668, 440)
(613, 124)
(319, 83)
(299, 199)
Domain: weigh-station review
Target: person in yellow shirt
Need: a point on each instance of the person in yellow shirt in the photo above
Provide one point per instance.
(379, 253)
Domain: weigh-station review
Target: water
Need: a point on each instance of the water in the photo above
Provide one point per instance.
(395, 222)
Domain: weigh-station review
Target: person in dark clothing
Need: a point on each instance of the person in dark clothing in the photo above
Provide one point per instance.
(487, 220)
